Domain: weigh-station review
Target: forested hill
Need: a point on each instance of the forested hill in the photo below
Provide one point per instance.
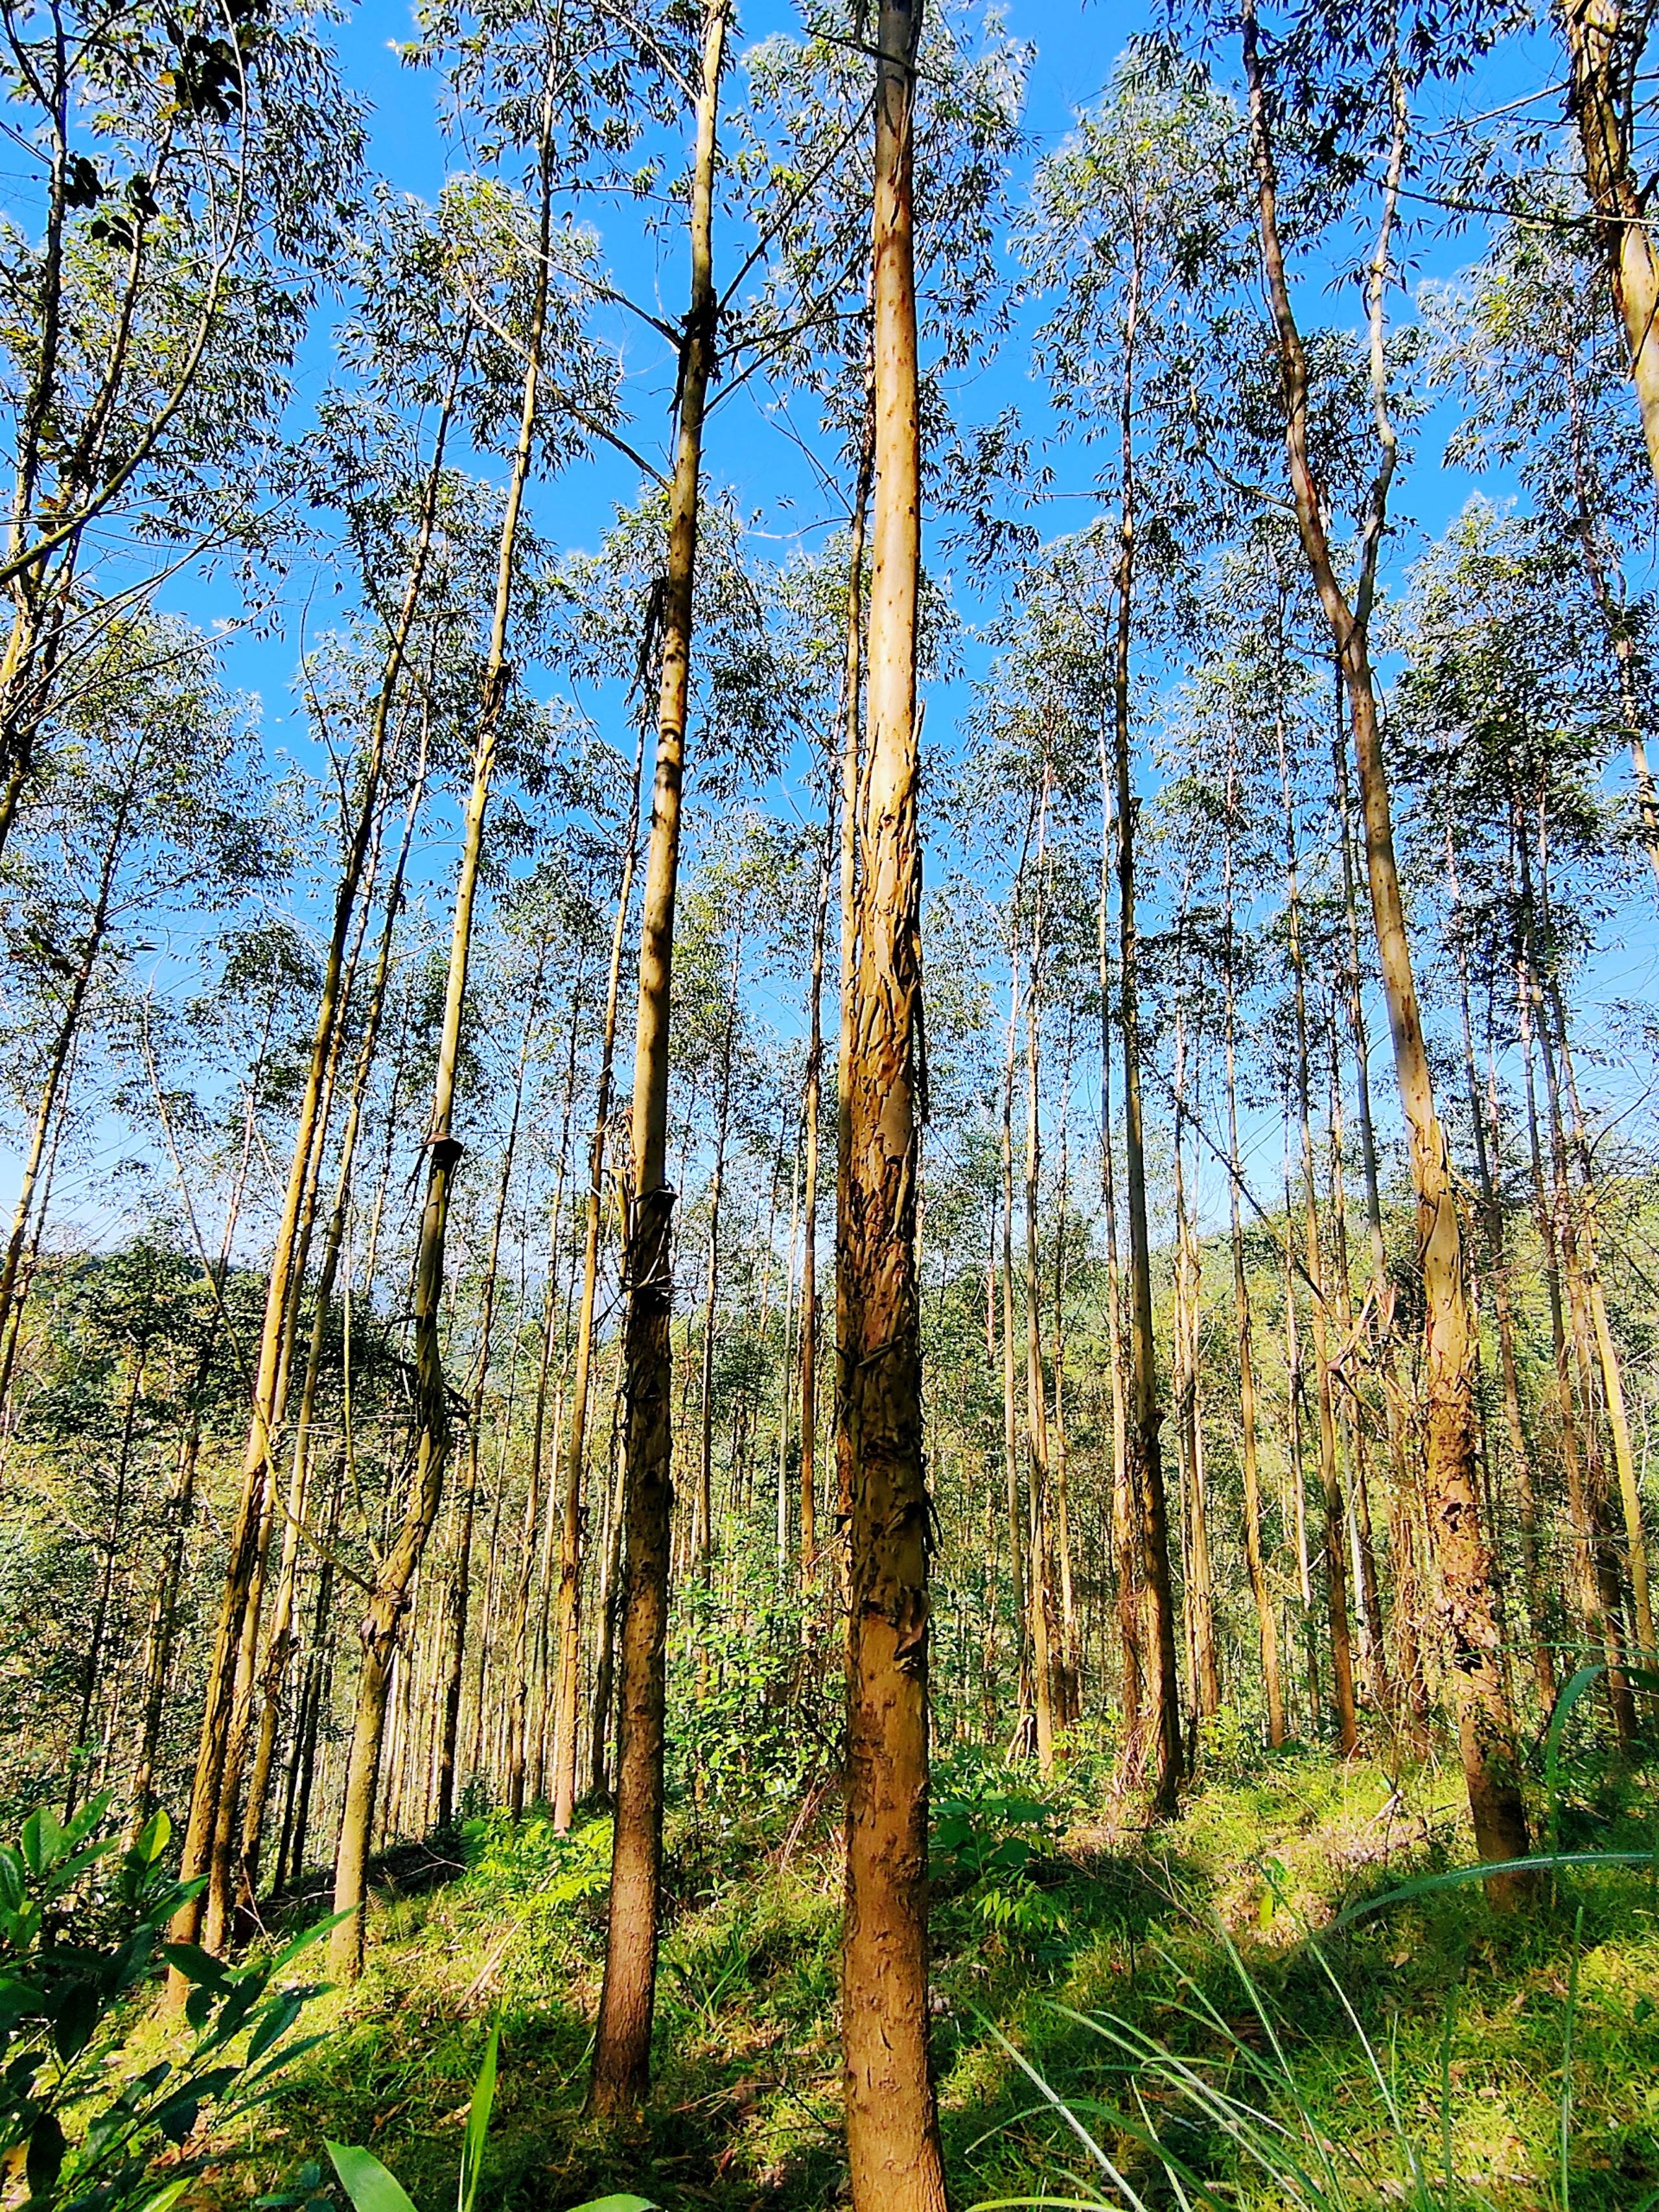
(828, 866)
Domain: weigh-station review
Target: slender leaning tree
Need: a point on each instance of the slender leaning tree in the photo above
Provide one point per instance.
(1468, 1599)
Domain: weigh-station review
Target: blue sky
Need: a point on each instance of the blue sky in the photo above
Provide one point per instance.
(1075, 48)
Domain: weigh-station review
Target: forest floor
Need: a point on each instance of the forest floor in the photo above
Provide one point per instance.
(1432, 2053)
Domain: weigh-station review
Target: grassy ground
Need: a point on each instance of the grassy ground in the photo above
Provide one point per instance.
(1435, 2029)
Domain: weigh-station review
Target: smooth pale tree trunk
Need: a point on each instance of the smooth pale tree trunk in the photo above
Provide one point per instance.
(786, 1379)
(893, 2151)
(1200, 1584)
(1601, 38)
(1606, 1352)
(1144, 1458)
(1594, 1575)
(567, 1601)
(702, 1532)
(622, 2051)
(280, 1640)
(1124, 1512)
(1408, 1675)
(1485, 1130)
(1037, 1411)
(523, 1576)
(1068, 1663)
(1296, 1479)
(1025, 1717)
(289, 1256)
(1372, 1627)
(1255, 1564)
(811, 1114)
(379, 1629)
(851, 796)
(1330, 1484)
(1467, 1604)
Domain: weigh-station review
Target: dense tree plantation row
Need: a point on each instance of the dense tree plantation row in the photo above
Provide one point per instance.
(829, 937)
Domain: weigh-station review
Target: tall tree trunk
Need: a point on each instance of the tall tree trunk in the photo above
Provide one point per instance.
(622, 2051)
(289, 1256)
(1200, 1584)
(1403, 1485)
(524, 1579)
(1036, 1413)
(1468, 1611)
(1330, 1481)
(1267, 1633)
(568, 1604)
(1606, 1352)
(892, 2131)
(280, 1640)
(378, 1633)
(1125, 1512)
(1025, 1716)
(702, 1543)
(1486, 1131)
(811, 1113)
(1143, 1449)
(1595, 1574)
(851, 787)
(1068, 1665)
(1604, 49)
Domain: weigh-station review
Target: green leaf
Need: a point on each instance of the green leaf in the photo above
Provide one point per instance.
(304, 1940)
(46, 2155)
(477, 2122)
(42, 1839)
(1571, 1691)
(619, 2205)
(366, 2181)
(153, 1837)
(197, 1965)
(76, 2018)
(1542, 1863)
(282, 2015)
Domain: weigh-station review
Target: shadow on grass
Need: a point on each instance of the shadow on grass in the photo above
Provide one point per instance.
(1463, 2009)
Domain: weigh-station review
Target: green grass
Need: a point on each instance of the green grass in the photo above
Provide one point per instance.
(1423, 2042)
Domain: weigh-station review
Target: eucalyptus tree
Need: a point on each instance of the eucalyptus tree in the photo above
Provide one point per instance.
(413, 356)
(1519, 338)
(1378, 120)
(1035, 728)
(1504, 736)
(1607, 44)
(892, 2128)
(622, 2049)
(1126, 217)
(188, 172)
(149, 808)
(528, 283)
